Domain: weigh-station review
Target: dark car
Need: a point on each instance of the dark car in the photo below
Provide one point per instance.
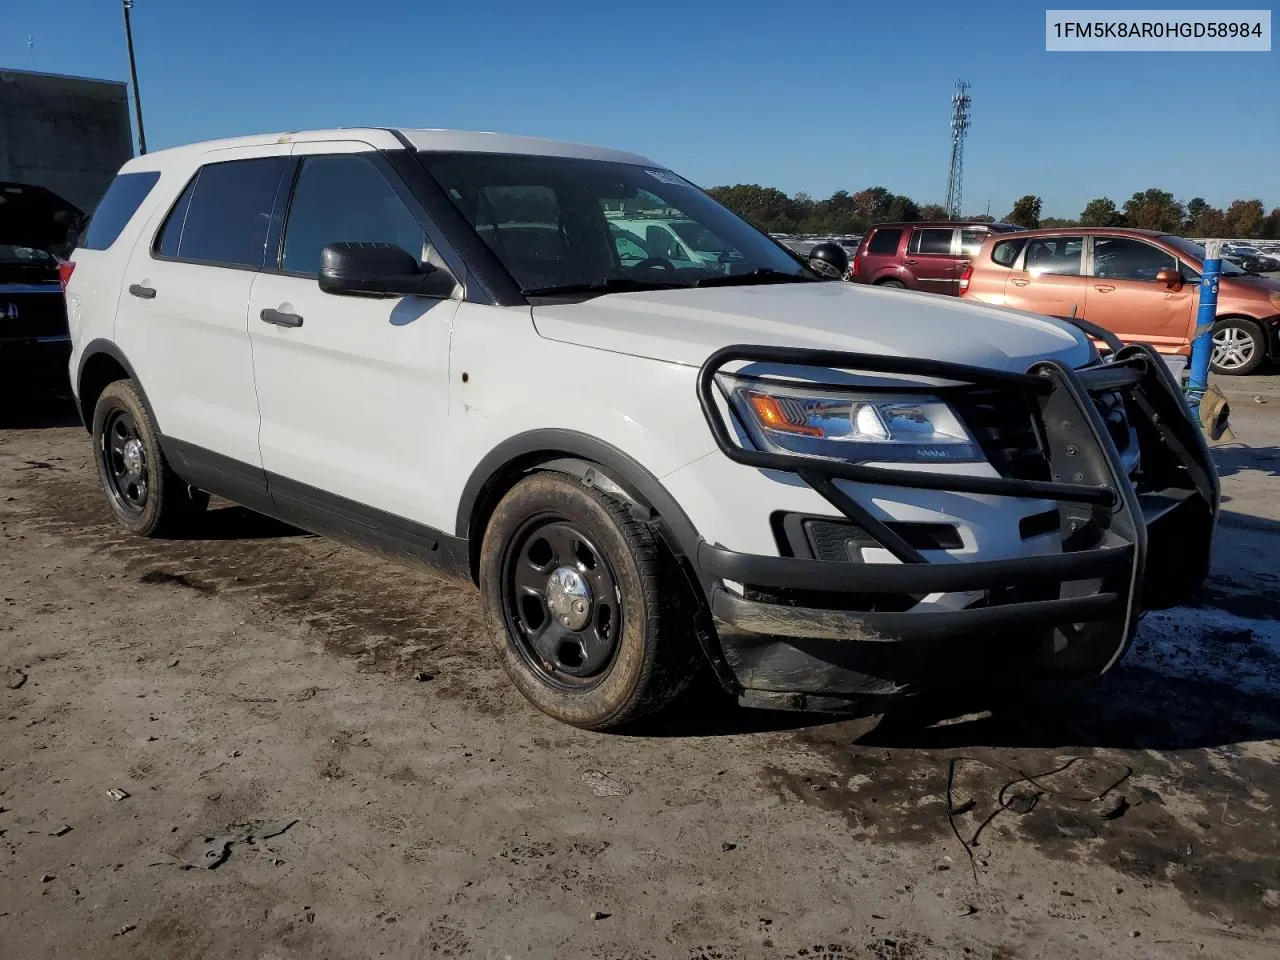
(37, 231)
(927, 256)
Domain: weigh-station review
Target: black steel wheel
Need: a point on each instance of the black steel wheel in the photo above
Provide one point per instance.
(561, 597)
(143, 492)
(124, 458)
(589, 614)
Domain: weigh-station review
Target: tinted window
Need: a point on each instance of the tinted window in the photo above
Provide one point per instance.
(932, 240)
(344, 199)
(230, 211)
(171, 232)
(971, 240)
(1054, 255)
(118, 204)
(884, 242)
(1121, 258)
(1006, 252)
(548, 219)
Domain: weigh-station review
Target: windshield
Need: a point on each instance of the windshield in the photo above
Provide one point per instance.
(1194, 250)
(699, 237)
(569, 225)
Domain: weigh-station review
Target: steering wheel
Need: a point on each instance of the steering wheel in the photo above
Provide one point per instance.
(661, 262)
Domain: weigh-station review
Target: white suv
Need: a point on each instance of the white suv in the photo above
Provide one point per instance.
(428, 342)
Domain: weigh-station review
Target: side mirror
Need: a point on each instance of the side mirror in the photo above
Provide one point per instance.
(829, 260)
(379, 270)
(1170, 278)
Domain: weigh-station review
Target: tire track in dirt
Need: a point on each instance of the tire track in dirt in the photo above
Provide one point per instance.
(390, 618)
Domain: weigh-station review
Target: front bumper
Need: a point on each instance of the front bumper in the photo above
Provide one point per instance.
(796, 631)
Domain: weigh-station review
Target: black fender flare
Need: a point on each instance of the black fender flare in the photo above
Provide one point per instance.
(594, 462)
(103, 347)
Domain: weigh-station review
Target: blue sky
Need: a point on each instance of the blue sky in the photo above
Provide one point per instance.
(814, 97)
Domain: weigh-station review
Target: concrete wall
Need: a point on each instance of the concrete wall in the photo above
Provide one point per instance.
(69, 134)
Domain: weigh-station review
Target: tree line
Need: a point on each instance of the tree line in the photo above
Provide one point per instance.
(852, 213)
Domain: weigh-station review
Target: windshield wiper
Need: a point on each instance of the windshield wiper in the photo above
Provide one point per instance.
(761, 275)
(605, 285)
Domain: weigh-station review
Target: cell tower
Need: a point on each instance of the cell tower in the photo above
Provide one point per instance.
(960, 102)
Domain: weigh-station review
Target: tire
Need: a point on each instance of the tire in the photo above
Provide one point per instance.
(143, 492)
(894, 284)
(1239, 347)
(636, 651)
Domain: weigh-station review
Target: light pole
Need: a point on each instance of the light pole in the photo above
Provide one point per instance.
(133, 75)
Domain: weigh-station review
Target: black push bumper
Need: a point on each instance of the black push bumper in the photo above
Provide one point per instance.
(819, 633)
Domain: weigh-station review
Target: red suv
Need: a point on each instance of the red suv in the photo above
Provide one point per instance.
(927, 256)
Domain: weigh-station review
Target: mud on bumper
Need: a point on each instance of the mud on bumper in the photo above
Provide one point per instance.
(801, 632)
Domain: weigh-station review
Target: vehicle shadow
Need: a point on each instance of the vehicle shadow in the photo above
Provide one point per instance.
(1132, 708)
(224, 521)
(1237, 457)
(36, 408)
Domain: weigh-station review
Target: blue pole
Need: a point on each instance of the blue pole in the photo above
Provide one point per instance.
(1202, 342)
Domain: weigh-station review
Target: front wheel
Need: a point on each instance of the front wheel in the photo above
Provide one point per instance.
(588, 614)
(1239, 347)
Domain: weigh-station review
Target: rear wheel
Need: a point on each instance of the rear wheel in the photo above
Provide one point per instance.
(896, 284)
(589, 615)
(1239, 347)
(142, 490)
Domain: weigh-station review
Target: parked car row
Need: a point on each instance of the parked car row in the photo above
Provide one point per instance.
(37, 230)
(652, 450)
(1141, 285)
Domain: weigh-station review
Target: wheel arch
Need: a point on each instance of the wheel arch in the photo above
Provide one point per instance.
(593, 461)
(102, 363)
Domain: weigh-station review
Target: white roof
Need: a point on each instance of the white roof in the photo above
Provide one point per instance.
(385, 139)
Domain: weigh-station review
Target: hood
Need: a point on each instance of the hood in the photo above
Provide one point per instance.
(32, 216)
(686, 326)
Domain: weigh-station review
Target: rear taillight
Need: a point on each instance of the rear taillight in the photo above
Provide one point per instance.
(965, 278)
(65, 269)
(853, 268)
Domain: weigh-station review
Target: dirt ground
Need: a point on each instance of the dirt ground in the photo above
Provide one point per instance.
(333, 729)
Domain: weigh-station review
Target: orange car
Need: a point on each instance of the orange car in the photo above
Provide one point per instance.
(1139, 284)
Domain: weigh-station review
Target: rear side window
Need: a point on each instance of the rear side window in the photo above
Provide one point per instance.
(1059, 256)
(971, 240)
(117, 206)
(228, 213)
(885, 242)
(1006, 252)
(931, 240)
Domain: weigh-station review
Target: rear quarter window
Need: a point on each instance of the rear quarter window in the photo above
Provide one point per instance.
(1005, 253)
(884, 242)
(227, 215)
(116, 208)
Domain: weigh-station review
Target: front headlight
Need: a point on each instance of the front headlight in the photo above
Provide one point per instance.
(849, 425)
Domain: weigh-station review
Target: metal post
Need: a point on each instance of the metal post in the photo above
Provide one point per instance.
(133, 75)
(1202, 342)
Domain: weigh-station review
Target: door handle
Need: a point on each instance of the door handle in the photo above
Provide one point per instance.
(909, 261)
(1103, 287)
(145, 293)
(1019, 282)
(280, 319)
